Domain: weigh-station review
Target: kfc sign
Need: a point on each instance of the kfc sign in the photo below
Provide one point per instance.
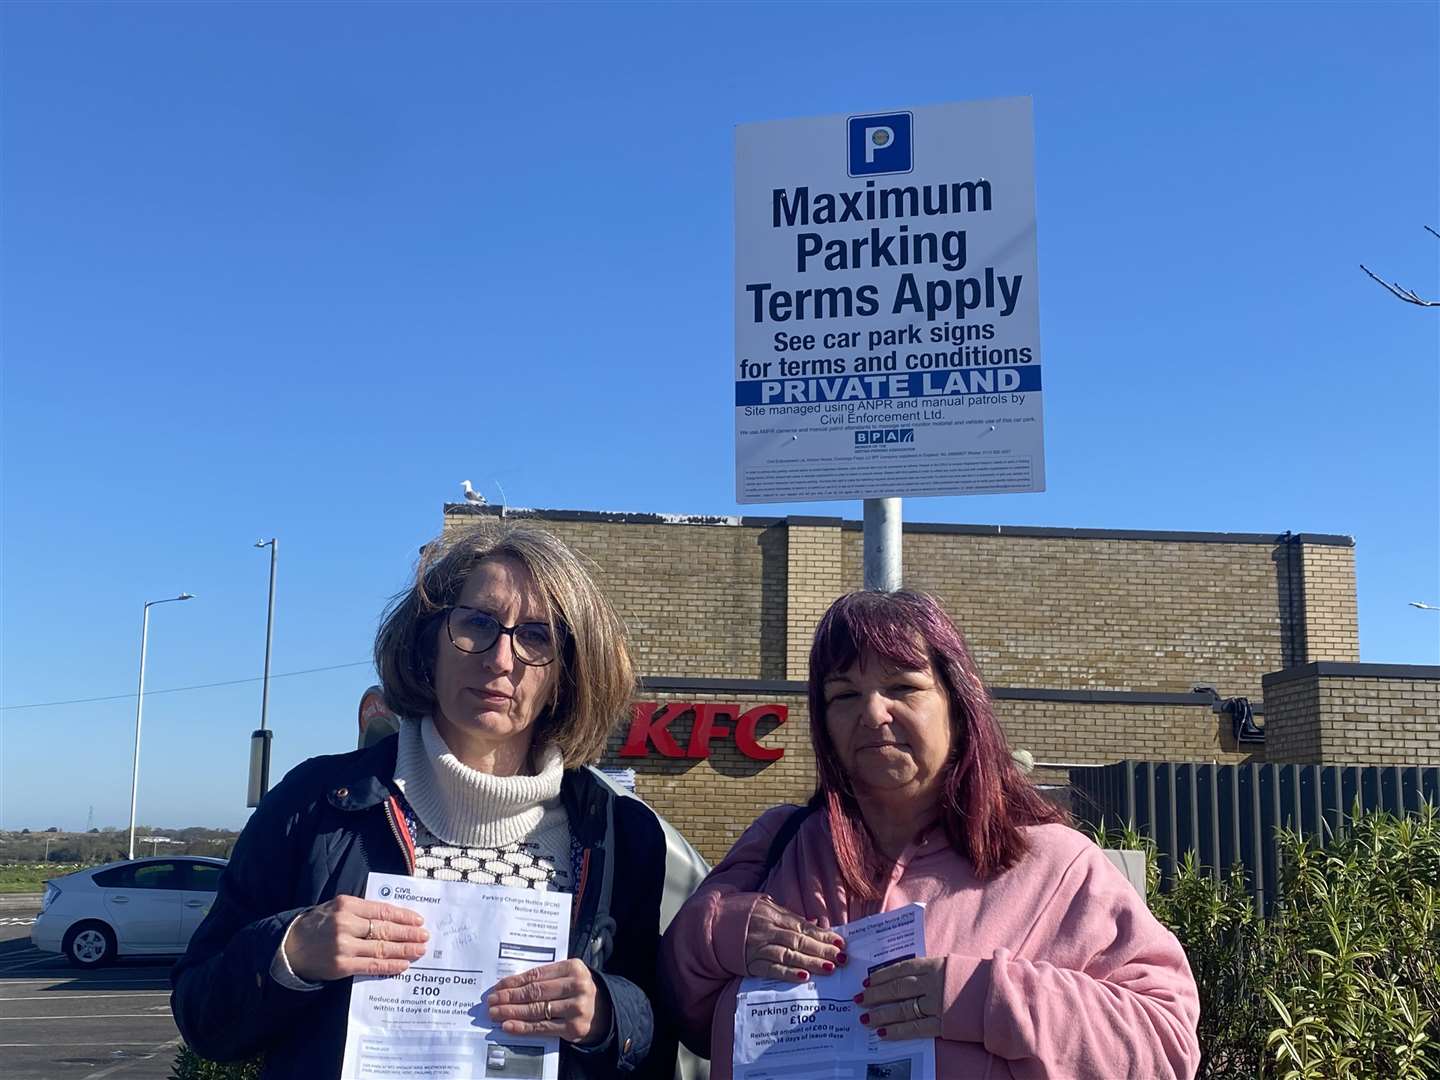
(650, 727)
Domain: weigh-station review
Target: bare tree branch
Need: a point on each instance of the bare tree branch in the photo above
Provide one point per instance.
(1399, 291)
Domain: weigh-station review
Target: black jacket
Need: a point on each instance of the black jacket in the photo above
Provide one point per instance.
(318, 834)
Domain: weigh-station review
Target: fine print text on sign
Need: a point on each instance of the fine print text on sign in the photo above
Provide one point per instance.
(886, 310)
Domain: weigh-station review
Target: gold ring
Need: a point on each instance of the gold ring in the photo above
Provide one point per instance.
(370, 932)
(919, 1012)
(547, 1010)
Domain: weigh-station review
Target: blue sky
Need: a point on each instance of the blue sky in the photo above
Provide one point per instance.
(298, 270)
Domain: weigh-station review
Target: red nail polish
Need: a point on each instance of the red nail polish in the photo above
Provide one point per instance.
(802, 976)
(864, 1018)
(866, 982)
(829, 967)
(881, 1033)
(859, 999)
(841, 958)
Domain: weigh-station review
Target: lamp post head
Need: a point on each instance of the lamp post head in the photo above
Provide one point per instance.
(264, 543)
(169, 600)
(1423, 607)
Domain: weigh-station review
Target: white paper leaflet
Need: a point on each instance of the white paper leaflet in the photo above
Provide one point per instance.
(430, 1023)
(812, 1030)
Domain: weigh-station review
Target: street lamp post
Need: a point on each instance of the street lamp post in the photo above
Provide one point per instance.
(140, 706)
(260, 740)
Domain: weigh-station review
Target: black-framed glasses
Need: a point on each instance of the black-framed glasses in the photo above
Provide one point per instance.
(475, 631)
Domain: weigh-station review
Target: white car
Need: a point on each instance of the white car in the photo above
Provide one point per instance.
(145, 907)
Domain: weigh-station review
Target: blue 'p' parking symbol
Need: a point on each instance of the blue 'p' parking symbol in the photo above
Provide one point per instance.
(880, 143)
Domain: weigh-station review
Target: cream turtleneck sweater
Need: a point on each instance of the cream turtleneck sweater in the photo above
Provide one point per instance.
(473, 826)
(467, 808)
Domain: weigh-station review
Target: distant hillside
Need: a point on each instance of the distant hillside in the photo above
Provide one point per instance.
(107, 845)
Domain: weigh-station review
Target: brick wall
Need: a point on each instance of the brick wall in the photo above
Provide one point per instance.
(1078, 732)
(1363, 714)
(739, 597)
(1292, 721)
(1332, 624)
(1093, 639)
(1107, 614)
(815, 579)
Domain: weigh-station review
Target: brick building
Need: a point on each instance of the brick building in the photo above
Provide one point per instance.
(1093, 642)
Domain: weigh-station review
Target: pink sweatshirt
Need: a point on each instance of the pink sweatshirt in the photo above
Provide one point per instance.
(1056, 967)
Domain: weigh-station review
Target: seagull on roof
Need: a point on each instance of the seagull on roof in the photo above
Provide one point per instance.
(471, 495)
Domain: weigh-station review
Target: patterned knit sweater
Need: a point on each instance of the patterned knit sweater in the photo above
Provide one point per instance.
(472, 826)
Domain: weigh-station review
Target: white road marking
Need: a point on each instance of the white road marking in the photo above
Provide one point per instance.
(17, 920)
(94, 997)
(102, 1016)
(81, 984)
(119, 1065)
(53, 1042)
(42, 958)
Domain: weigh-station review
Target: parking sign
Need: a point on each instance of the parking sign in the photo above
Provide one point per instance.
(886, 305)
(880, 144)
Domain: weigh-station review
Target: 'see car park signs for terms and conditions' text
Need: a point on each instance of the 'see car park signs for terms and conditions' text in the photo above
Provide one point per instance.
(886, 307)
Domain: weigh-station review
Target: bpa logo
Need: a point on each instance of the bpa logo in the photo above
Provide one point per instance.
(880, 143)
(885, 436)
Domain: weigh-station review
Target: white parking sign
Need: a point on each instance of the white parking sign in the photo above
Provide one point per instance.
(886, 305)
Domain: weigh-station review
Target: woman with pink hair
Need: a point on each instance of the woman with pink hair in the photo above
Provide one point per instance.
(1041, 959)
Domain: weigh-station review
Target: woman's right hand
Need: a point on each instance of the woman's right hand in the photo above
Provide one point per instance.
(781, 945)
(349, 936)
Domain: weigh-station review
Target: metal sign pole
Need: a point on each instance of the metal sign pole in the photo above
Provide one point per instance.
(882, 539)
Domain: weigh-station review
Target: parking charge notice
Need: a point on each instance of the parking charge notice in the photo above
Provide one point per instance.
(430, 1021)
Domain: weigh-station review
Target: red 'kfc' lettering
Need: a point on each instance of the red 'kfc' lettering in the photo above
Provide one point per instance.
(646, 728)
(745, 732)
(650, 727)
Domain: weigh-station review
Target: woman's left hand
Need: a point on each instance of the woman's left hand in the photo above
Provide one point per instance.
(559, 1000)
(904, 1000)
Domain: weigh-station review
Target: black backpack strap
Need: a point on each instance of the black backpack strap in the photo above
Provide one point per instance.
(788, 830)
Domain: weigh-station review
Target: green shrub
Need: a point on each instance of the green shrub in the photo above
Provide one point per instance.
(190, 1066)
(1342, 982)
(1358, 987)
(1227, 945)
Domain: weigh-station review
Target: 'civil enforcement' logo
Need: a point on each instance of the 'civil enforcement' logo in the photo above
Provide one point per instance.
(880, 143)
(384, 890)
(885, 436)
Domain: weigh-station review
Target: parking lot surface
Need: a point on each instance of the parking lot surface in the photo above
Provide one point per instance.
(57, 1022)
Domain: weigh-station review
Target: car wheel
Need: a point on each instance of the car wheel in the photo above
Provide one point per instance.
(89, 945)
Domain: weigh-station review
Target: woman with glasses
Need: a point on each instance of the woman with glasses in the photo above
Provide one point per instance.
(508, 668)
